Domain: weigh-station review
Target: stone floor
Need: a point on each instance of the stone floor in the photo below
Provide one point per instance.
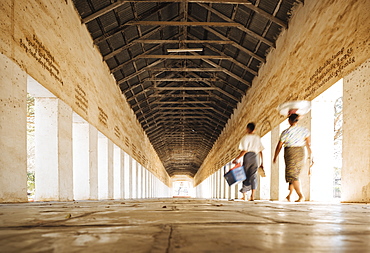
(184, 225)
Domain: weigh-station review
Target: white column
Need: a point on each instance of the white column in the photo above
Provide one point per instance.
(139, 180)
(279, 188)
(232, 187)
(133, 179)
(326, 140)
(215, 176)
(226, 186)
(150, 185)
(147, 191)
(53, 150)
(356, 135)
(110, 170)
(143, 182)
(93, 149)
(85, 164)
(264, 183)
(118, 168)
(154, 187)
(213, 186)
(105, 167)
(207, 192)
(216, 184)
(126, 175)
(13, 132)
(222, 183)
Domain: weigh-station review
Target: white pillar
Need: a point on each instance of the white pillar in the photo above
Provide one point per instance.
(147, 189)
(143, 182)
(279, 188)
(264, 183)
(150, 185)
(139, 180)
(226, 186)
(237, 188)
(13, 132)
(105, 167)
(232, 187)
(85, 164)
(126, 175)
(220, 184)
(119, 166)
(217, 184)
(356, 135)
(133, 185)
(110, 170)
(155, 190)
(306, 121)
(213, 186)
(53, 150)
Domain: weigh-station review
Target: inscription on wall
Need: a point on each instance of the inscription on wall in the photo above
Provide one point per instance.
(333, 67)
(80, 99)
(103, 117)
(37, 50)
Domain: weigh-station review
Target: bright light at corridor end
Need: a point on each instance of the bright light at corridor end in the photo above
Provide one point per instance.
(182, 186)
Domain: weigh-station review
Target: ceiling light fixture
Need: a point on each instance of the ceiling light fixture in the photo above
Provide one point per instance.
(177, 50)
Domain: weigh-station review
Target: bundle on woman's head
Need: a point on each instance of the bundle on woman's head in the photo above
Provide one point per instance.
(293, 117)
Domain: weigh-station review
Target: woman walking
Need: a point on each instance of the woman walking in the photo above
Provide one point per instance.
(294, 139)
(250, 147)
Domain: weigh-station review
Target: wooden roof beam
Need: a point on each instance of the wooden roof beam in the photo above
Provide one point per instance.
(241, 27)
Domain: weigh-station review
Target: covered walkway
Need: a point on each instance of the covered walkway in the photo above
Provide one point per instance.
(112, 138)
(184, 225)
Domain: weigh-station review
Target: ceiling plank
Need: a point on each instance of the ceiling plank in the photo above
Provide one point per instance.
(191, 57)
(103, 11)
(183, 23)
(241, 48)
(229, 73)
(246, 3)
(119, 82)
(184, 79)
(122, 28)
(232, 60)
(267, 15)
(186, 108)
(240, 26)
(125, 47)
(185, 69)
(184, 102)
(184, 41)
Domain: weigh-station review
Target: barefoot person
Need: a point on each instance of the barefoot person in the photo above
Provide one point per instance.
(250, 146)
(294, 139)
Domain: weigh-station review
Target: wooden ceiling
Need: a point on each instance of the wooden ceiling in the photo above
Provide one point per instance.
(184, 65)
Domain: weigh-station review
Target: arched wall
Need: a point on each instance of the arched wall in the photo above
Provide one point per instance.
(325, 41)
(47, 40)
